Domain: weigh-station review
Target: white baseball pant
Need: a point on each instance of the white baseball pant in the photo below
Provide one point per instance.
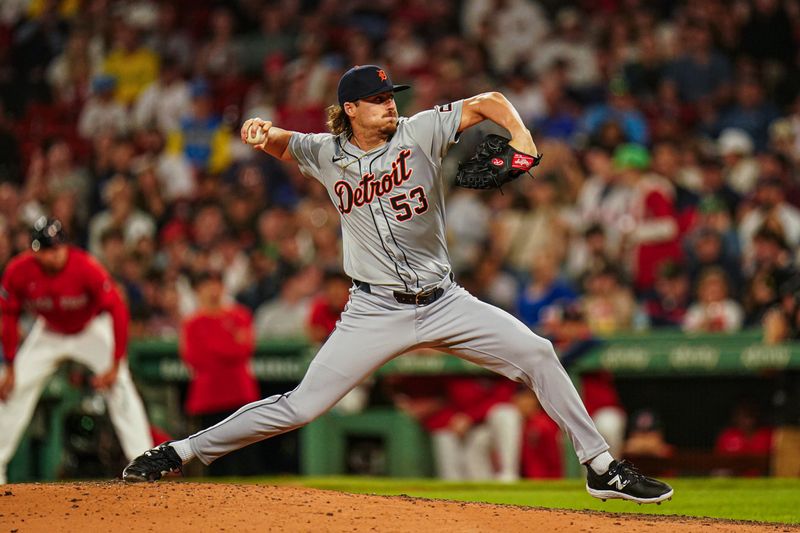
(38, 358)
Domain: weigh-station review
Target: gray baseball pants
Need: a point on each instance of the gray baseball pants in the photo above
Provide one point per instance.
(375, 328)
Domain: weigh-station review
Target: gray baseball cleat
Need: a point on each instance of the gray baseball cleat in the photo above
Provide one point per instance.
(624, 482)
(153, 464)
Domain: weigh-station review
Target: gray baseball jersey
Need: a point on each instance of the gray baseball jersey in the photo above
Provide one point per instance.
(391, 201)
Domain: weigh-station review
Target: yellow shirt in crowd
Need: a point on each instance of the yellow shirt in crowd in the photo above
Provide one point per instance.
(134, 71)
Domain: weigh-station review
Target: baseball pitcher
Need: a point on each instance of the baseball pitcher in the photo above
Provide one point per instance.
(80, 316)
(384, 174)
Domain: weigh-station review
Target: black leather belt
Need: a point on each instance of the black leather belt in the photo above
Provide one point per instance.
(411, 298)
(419, 298)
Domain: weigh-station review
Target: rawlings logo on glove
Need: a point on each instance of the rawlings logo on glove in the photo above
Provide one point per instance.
(523, 162)
(494, 164)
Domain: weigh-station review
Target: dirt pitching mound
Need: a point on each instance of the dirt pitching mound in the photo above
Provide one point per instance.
(192, 507)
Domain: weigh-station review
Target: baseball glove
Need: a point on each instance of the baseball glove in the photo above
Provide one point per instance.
(494, 164)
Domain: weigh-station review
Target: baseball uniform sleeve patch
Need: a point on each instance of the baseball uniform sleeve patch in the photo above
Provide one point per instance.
(446, 108)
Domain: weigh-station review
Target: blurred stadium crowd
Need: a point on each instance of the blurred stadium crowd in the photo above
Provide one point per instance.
(668, 194)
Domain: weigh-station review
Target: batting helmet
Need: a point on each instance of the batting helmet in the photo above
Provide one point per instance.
(46, 233)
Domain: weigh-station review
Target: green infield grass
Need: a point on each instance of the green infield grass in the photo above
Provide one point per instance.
(764, 500)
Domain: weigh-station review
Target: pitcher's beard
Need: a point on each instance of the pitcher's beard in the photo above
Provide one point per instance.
(389, 130)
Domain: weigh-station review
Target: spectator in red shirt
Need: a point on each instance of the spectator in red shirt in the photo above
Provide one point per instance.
(651, 227)
(541, 439)
(80, 316)
(744, 436)
(328, 306)
(217, 343)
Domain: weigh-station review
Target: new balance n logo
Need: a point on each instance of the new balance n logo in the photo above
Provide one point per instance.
(618, 482)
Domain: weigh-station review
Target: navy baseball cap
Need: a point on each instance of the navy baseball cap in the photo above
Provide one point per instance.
(365, 81)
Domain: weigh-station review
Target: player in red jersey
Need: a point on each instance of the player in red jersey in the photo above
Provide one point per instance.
(80, 316)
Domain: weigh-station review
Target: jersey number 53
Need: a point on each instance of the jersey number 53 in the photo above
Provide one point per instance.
(402, 204)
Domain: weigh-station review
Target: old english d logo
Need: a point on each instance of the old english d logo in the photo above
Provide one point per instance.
(382, 74)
